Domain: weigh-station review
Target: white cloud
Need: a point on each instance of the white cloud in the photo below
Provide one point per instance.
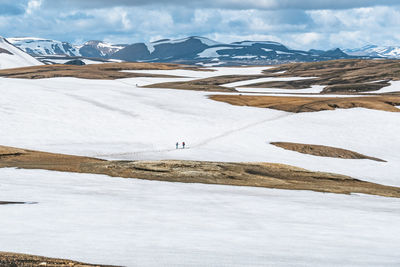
(308, 39)
(32, 6)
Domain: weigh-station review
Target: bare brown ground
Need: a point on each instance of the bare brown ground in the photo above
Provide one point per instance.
(323, 151)
(267, 175)
(107, 71)
(4, 51)
(340, 76)
(10, 203)
(312, 104)
(24, 260)
(212, 84)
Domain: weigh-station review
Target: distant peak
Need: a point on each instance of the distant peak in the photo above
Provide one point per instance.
(204, 40)
(162, 40)
(248, 42)
(93, 42)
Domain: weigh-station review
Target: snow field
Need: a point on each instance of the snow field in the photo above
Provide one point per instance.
(97, 219)
(117, 120)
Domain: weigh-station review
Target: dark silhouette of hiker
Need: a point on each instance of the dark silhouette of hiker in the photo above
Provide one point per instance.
(183, 144)
(177, 145)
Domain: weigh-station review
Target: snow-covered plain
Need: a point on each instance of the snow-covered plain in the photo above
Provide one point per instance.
(131, 222)
(118, 120)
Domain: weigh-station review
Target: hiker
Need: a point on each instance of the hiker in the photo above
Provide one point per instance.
(183, 144)
(177, 145)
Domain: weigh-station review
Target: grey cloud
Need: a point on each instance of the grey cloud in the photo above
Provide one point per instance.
(228, 4)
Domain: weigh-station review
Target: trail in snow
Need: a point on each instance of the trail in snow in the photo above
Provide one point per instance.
(103, 105)
(245, 127)
(202, 143)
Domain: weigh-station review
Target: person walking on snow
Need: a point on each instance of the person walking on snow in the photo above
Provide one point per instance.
(177, 145)
(183, 144)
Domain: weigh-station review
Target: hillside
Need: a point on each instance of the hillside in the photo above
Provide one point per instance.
(39, 46)
(12, 57)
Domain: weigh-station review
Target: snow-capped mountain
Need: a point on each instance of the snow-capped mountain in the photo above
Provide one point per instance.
(47, 47)
(12, 57)
(200, 50)
(375, 51)
(40, 47)
(98, 49)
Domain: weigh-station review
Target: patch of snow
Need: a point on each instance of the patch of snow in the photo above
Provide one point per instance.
(250, 43)
(212, 52)
(244, 57)
(393, 87)
(204, 40)
(267, 50)
(210, 64)
(90, 61)
(207, 41)
(267, 79)
(315, 89)
(150, 47)
(115, 60)
(283, 53)
(378, 81)
(110, 46)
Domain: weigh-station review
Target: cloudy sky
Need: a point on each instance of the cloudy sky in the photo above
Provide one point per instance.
(304, 24)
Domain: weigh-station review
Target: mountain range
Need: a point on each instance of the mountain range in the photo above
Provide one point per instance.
(194, 50)
(375, 51)
(191, 50)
